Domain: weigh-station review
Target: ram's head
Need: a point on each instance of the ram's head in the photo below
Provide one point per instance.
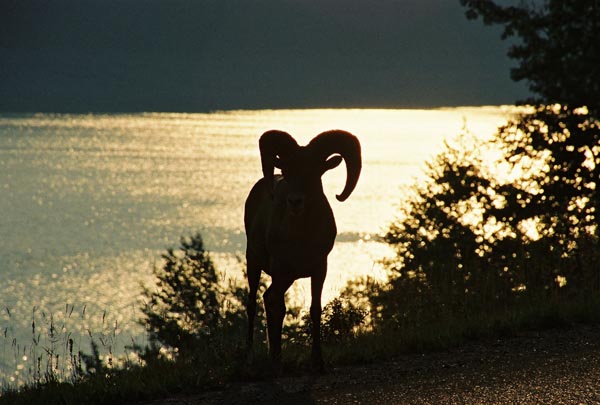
(303, 166)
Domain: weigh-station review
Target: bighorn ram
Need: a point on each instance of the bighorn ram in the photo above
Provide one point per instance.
(290, 226)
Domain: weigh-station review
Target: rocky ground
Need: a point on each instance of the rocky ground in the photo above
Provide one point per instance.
(560, 366)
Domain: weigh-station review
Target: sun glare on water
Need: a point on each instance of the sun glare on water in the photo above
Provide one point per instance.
(90, 202)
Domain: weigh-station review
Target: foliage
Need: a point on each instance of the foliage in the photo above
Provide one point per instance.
(557, 144)
(217, 359)
(560, 191)
(188, 306)
(470, 241)
(195, 324)
(443, 243)
(475, 252)
(559, 55)
(558, 47)
(465, 246)
(341, 319)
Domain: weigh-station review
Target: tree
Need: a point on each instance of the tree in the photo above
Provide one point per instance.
(469, 242)
(558, 47)
(558, 51)
(451, 252)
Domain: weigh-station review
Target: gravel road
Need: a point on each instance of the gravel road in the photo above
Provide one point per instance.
(560, 366)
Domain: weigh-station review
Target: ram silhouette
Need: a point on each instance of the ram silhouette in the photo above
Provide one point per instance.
(290, 227)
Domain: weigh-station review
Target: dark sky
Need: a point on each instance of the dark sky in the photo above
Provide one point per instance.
(199, 55)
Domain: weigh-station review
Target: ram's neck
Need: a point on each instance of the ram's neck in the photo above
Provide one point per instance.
(314, 227)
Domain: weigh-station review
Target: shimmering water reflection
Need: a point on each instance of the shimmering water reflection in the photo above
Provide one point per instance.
(88, 202)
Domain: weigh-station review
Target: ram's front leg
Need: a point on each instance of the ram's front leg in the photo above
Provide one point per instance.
(316, 287)
(274, 299)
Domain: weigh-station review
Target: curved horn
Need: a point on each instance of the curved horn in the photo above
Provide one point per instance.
(348, 146)
(271, 144)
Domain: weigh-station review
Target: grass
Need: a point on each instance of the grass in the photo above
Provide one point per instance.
(57, 350)
(225, 361)
(55, 369)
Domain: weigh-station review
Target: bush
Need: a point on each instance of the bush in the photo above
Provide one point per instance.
(470, 246)
(341, 319)
(187, 306)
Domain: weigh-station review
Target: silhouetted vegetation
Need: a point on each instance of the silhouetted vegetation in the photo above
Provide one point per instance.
(555, 44)
(469, 253)
(476, 247)
(190, 310)
(341, 320)
(188, 307)
(480, 246)
(196, 323)
(558, 50)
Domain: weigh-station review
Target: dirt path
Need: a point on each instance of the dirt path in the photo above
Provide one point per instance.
(549, 367)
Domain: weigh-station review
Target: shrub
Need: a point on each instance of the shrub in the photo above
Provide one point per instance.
(186, 308)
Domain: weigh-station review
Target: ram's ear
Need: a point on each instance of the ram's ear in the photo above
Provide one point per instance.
(331, 163)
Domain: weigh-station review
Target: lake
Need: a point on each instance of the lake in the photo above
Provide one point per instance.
(89, 202)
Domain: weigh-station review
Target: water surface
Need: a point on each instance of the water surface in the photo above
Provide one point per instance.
(88, 202)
